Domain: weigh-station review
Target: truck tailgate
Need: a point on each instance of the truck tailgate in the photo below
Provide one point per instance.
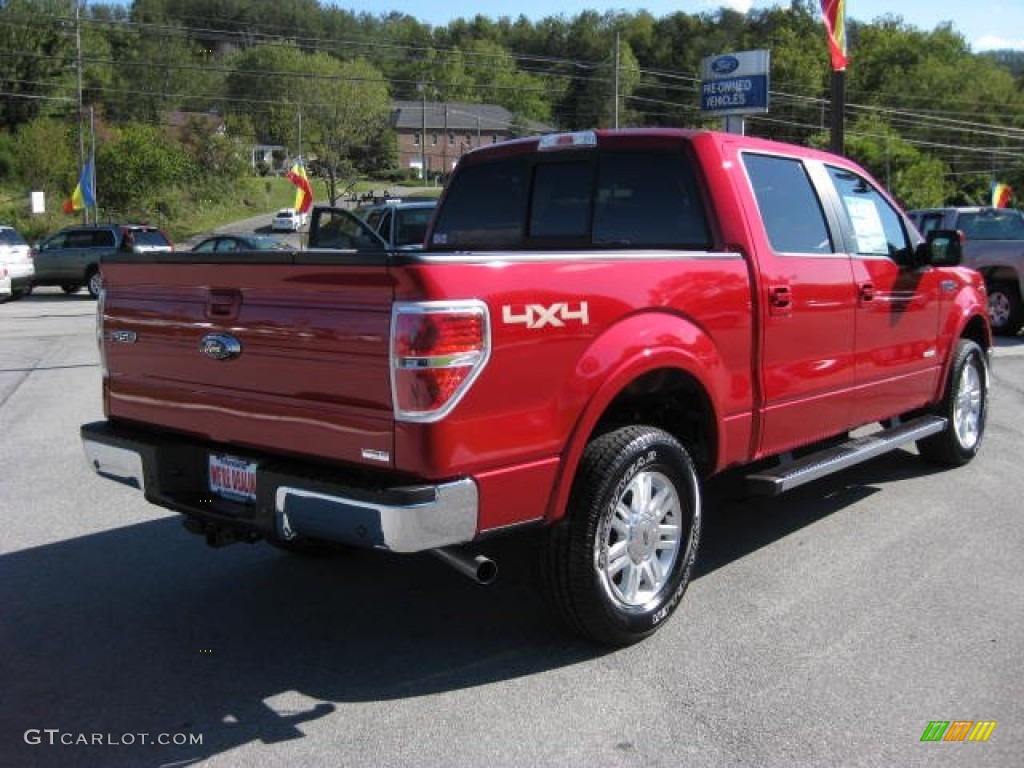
(283, 357)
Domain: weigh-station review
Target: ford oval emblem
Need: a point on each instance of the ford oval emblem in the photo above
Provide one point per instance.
(220, 346)
(725, 65)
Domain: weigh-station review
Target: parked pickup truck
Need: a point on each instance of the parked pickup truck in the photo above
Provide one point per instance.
(599, 323)
(993, 244)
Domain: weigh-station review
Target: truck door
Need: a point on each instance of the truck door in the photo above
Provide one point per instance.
(898, 304)
(807, 306)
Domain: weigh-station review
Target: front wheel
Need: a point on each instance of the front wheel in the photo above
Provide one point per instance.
(965, 408)
(617, 566)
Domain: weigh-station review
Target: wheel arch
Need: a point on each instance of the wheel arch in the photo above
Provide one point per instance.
(971, 323)
(673, 384)
(1003, 273)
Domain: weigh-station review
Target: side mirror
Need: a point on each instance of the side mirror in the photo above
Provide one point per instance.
(941, 248)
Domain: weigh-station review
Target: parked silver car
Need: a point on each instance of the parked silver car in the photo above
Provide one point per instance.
(71, 258)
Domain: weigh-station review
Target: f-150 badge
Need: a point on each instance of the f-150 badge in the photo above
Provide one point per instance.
(539, 316)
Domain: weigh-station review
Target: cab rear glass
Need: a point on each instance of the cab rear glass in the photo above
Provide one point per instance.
(618, 198)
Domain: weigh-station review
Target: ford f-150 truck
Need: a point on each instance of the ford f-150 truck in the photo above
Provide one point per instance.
(599, 322)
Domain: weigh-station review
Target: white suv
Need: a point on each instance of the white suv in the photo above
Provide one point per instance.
(16, 259)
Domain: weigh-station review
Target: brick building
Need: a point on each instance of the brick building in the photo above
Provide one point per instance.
(439, 133)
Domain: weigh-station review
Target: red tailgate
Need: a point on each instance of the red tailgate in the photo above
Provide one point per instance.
(283, 357)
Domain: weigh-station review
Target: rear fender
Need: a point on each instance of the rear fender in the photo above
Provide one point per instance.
(640, 344)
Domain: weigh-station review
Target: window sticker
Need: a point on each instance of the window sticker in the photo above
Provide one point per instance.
(867, 226)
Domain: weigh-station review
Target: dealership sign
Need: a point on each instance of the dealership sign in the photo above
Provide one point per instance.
(735, 83)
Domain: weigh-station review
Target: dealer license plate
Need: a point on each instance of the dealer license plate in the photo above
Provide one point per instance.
(232, 478)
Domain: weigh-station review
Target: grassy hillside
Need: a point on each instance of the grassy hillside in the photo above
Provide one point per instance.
(184, 215)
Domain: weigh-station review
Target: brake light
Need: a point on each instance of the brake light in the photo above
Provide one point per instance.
(437, 351)
(577, 140)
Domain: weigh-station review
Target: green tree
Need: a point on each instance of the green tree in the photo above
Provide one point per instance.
(914, 178)
(37, 44)
(45, 155)
(136, 168)
(345, 106)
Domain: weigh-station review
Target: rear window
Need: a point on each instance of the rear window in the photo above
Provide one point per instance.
(992, 225)
(606, 199)
(150, 237)
(411, 225)
(11, 237)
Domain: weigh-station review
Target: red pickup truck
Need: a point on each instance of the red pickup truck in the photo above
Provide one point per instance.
(598, 323)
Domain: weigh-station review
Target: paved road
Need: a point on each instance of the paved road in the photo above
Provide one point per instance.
(824, 628)
(258, 224)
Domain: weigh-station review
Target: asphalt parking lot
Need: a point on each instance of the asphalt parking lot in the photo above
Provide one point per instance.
(828, 627)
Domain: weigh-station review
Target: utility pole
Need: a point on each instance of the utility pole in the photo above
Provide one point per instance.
(81, 115)
(616, 81)
(92, 165)
(423, 132)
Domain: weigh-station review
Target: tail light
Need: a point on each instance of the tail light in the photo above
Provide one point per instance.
(438, 348)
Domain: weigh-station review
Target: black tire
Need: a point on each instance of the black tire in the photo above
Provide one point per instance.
(611, 571)
(94, 282)
(965, 408)
(1004, 308)
(71, 288)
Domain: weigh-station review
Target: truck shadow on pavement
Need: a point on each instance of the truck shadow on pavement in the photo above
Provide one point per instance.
(143, 630)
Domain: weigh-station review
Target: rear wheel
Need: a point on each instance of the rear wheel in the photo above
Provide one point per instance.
(94, 282)
(1004, 308)
(619, 563)
(965, 408)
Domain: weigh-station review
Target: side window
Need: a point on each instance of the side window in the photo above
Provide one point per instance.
(384, 227)
(60, 240)
(877, 227)
(102, 238)
(206, 247)
(561, 200)
(79, 239)
(792, 214)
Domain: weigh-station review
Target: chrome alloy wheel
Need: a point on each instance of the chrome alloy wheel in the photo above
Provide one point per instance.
(967, 409)
(641, 540)
(998, 308)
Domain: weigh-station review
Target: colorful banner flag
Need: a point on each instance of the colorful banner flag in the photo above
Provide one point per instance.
(304, 193)
(834, 12)
(1001, 194)
(84, 195)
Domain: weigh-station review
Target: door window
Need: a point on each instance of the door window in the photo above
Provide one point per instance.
(790, 208)
(877, 227)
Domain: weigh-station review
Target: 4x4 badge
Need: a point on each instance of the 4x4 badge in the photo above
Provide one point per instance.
(220, 346)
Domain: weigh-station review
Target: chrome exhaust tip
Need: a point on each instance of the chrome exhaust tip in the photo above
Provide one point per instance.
(480, 569)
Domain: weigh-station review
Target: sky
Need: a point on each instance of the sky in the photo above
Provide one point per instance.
(986, 25)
